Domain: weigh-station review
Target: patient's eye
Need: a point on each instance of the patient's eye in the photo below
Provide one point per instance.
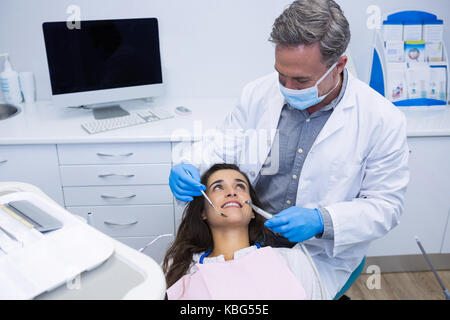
(241, 186)
(217, 187)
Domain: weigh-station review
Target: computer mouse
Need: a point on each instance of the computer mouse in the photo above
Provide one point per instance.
(183, 111)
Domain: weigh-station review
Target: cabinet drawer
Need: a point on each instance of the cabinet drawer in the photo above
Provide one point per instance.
(117, 195)
(33, 164)
(157, 152)
(126, 221)
(124, 174)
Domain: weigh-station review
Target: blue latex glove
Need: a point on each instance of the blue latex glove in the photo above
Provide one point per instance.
(297, 224)
(184, 187)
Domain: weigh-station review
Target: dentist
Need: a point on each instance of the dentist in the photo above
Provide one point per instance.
(338, 147)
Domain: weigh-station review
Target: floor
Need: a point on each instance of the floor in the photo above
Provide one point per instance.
(399, 286)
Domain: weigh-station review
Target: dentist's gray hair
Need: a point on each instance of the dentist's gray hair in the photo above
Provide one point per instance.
(306, 22)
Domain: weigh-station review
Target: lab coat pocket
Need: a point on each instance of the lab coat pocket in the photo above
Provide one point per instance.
(346, 179)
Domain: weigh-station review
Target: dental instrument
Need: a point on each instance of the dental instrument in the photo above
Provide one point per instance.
(427, 259)
(265, 214)
(268, 216)
(154, 240)
(209, 201)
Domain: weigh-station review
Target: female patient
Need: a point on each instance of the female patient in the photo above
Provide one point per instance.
(216, 257)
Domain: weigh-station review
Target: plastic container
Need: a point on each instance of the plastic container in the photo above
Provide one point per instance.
(9, 83)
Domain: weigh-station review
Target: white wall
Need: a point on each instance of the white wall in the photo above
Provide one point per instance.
(210, 48)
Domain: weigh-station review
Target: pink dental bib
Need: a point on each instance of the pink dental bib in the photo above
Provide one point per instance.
(259, 275)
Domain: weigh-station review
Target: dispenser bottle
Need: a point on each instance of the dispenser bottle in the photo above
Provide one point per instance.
(9, 83)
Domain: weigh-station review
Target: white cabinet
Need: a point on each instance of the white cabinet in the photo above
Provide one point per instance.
(124, 187)
(34, 164)
(427, 201)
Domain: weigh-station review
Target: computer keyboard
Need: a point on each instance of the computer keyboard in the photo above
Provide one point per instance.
(140, 117)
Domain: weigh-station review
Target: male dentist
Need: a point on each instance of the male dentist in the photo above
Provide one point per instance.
(341, 148)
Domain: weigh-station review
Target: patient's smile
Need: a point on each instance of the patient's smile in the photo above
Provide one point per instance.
(228, 189)
(231, 204)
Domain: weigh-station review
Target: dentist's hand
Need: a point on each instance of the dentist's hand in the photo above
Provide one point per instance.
(184, 187)
(297, 224)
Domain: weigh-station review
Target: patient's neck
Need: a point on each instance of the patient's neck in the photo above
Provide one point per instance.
(228, 241)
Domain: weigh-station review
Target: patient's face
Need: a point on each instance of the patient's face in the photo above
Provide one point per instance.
(228, 190)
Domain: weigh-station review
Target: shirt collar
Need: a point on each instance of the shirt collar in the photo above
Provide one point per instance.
(335, 102)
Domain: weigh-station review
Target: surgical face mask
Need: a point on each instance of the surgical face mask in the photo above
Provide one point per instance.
(305, 98)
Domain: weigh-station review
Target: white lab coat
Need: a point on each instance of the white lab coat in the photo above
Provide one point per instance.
(357, 168)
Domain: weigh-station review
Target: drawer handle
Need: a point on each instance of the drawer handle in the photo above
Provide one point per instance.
(3, 161)
(114, 155)
(105, 196)
(115, 175)
(120, 224)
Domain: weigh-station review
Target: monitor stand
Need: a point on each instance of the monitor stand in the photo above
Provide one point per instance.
(107, 112)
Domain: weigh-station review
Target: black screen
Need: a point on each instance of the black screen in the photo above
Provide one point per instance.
(102, 54)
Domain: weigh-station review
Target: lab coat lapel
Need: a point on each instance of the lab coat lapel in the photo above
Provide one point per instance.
(338, 117)
(274, 113)
(275, 108)
(269, 122)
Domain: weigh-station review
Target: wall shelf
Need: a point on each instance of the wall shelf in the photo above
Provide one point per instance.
(403, 68)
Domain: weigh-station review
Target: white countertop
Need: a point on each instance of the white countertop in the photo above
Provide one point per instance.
(43, 123)
(433, 121)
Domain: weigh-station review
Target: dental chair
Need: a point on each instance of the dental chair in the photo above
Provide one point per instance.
(350, 280)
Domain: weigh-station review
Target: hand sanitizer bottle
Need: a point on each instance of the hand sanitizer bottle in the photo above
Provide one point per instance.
(9, 83)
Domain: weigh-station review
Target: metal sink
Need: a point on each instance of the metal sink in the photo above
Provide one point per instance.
(8, 111)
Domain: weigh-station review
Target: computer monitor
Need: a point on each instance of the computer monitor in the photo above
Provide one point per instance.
(103, 61)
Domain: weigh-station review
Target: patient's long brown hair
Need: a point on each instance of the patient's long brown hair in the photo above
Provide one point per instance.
(194, 235)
